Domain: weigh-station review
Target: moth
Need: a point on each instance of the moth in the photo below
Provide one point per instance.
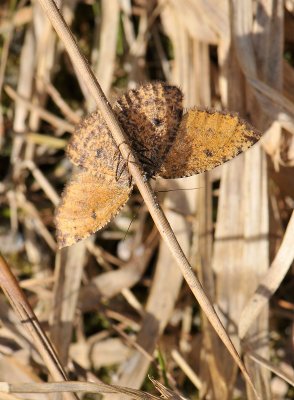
(166, 141)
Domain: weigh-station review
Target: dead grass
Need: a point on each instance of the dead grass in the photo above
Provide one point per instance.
(114, 306)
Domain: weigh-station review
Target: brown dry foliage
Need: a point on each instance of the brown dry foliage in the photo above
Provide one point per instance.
(114, 305)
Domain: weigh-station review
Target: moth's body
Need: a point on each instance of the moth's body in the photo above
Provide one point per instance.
(165, 142)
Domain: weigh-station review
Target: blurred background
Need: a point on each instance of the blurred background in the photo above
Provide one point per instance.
(115, 305)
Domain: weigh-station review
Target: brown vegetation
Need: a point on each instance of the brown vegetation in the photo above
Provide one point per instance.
(114, 306)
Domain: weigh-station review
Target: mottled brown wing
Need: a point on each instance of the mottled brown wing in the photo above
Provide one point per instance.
(88, 203)
(150, 116)
(206, 139)
(93, 148)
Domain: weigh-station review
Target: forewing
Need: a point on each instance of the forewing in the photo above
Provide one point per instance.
(150, 117)
(88, 203)
(93, 148)
(206, 139)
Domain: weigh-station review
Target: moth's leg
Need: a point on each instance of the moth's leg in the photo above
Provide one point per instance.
(148, 165)
(127, 166)
(141, 151)
(120, 165)
(139, 147)
(121, 169)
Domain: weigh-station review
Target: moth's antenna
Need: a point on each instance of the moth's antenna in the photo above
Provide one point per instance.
(176, 190)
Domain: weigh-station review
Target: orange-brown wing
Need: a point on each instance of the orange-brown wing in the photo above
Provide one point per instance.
(93, 148)
(150, 116)
(88, 203)
(206, 139)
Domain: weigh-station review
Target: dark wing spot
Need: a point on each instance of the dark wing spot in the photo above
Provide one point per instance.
(93, 215)
(156, 121)
(99, 153)
(208, 153)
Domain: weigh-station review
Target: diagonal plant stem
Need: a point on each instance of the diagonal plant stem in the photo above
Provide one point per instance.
(147, 193)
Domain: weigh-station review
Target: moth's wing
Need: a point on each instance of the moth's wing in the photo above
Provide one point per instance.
(206, 139)
(88, 203)
(93, 148)
(150, 116)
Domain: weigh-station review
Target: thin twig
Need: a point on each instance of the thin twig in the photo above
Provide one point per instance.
(270, 282)
(27, 316)
(46, 115)
(73, 386)
(185, 367)
(83, 68)
(276, 370)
